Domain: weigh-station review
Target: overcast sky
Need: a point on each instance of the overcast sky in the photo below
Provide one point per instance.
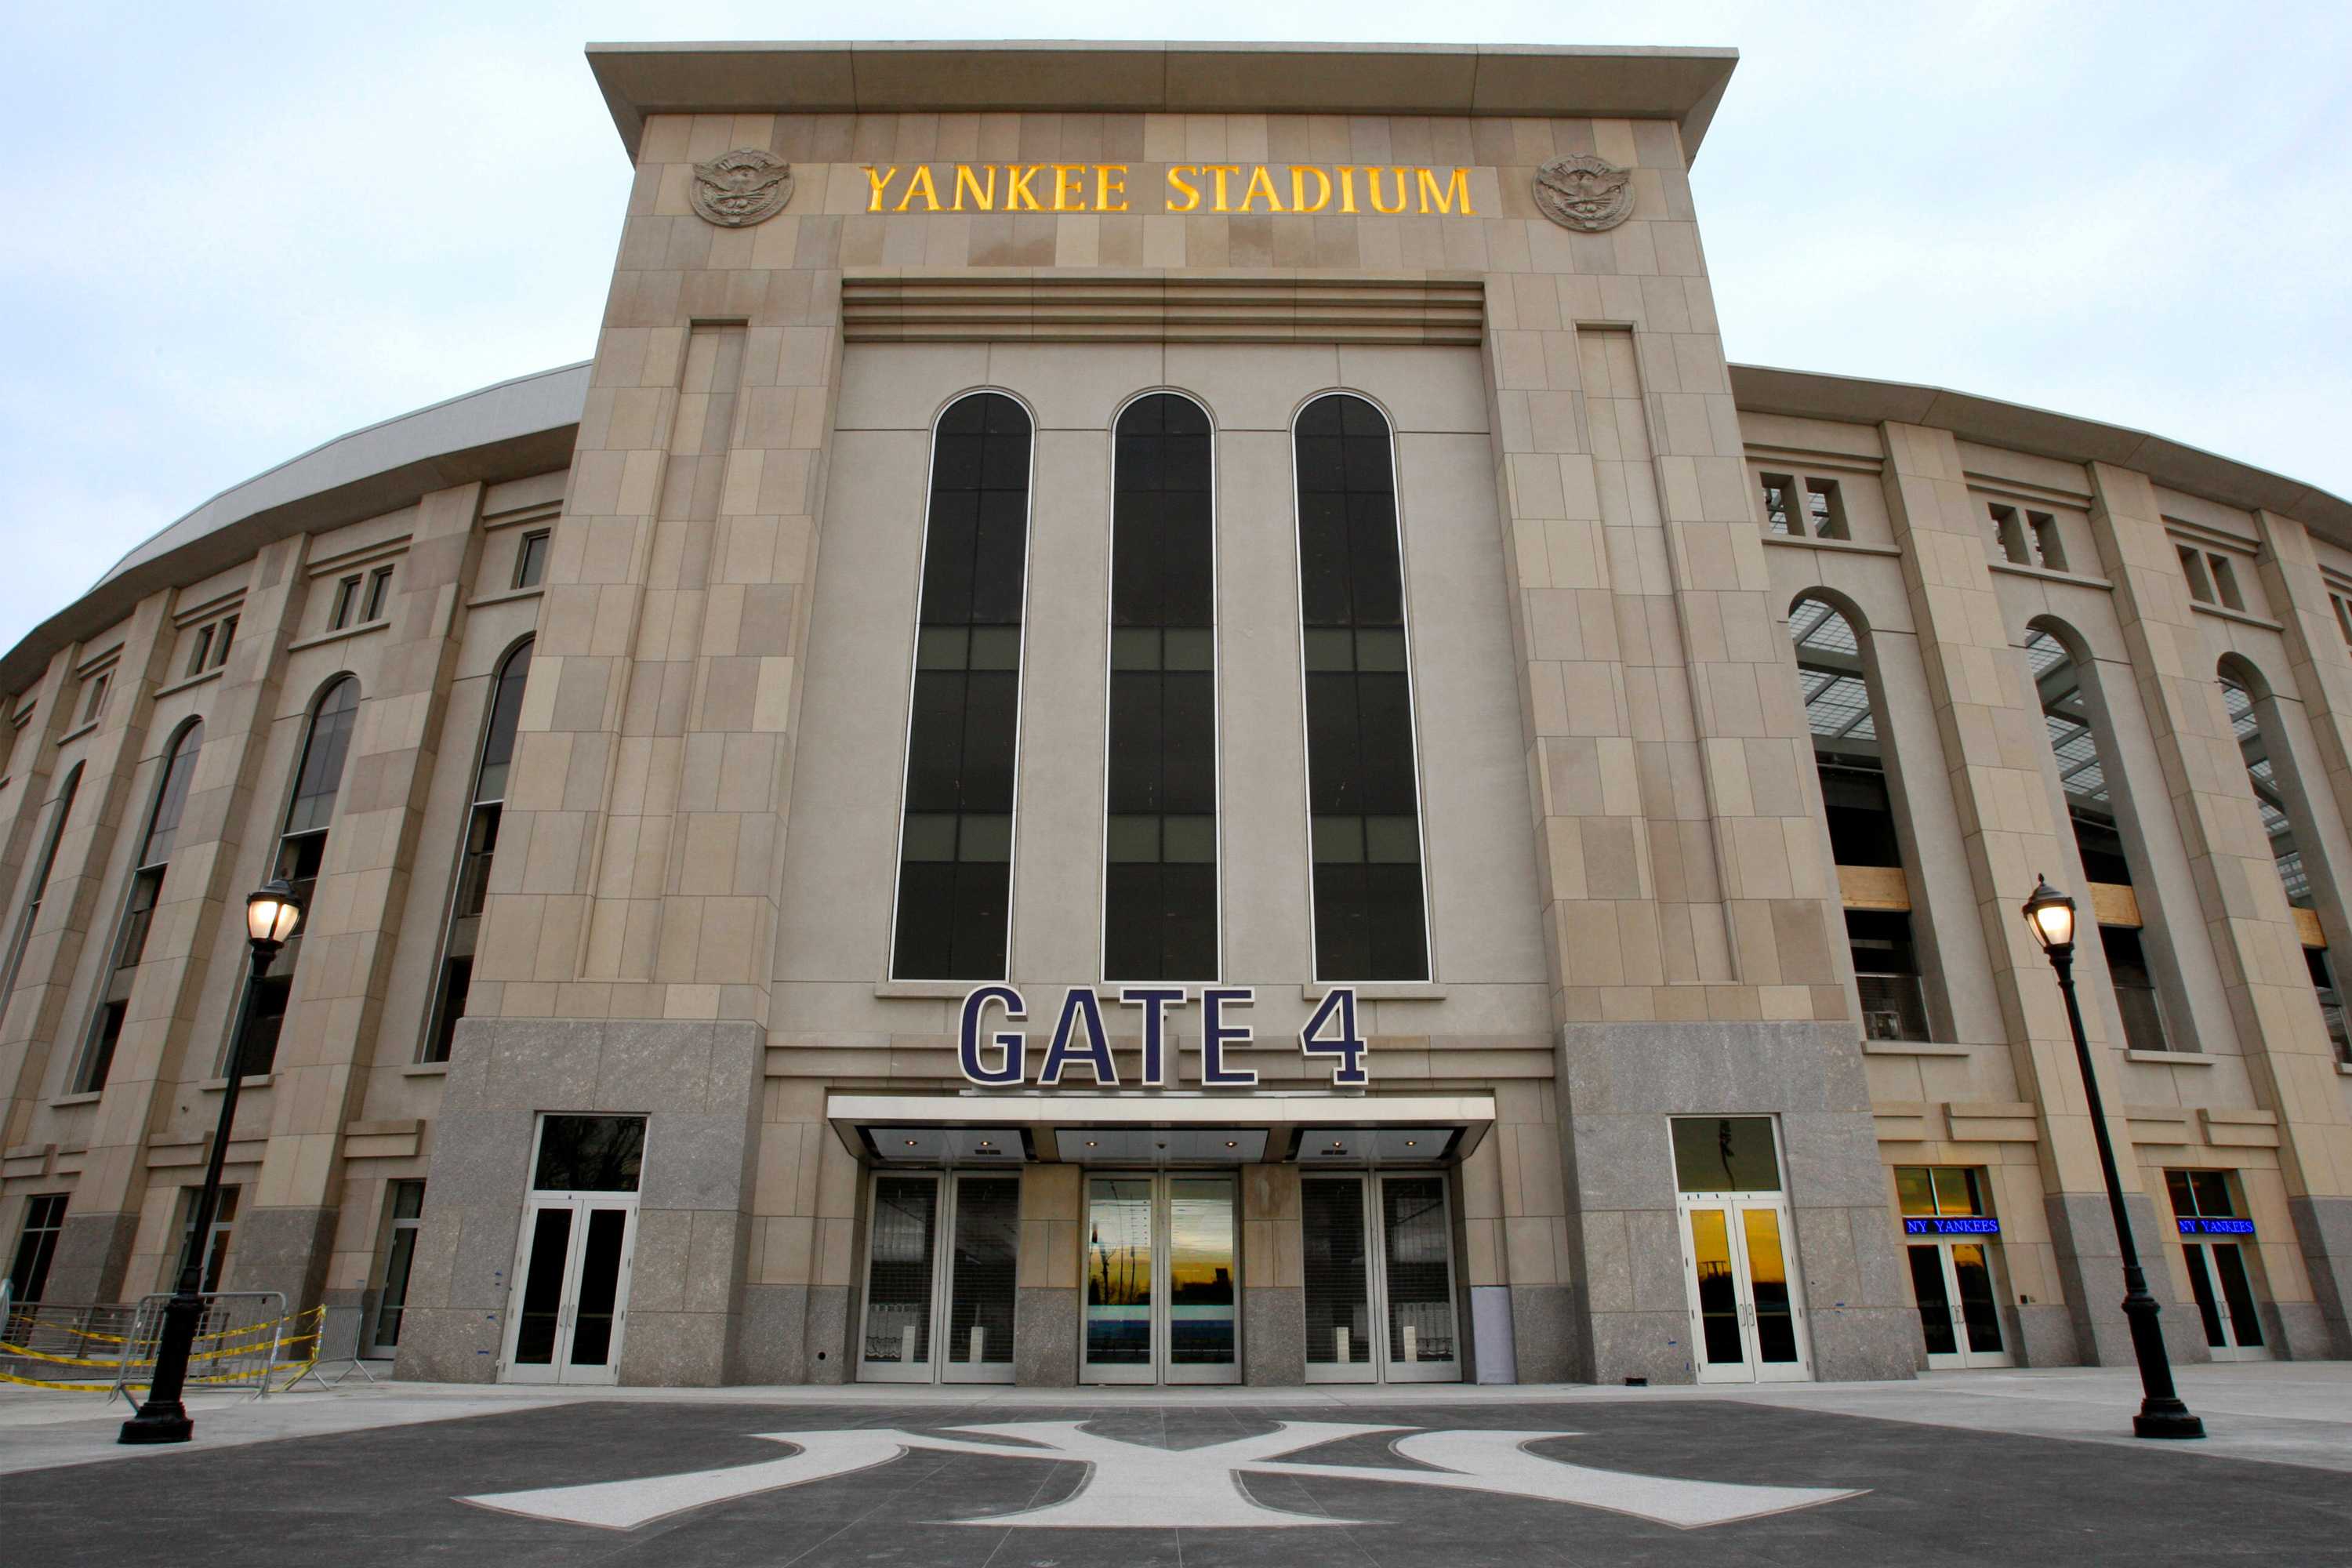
(234, 232)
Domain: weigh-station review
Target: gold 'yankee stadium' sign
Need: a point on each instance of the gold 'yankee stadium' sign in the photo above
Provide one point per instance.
(1191, 187)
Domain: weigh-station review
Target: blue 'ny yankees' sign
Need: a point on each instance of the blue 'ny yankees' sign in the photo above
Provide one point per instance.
(1002, 1059)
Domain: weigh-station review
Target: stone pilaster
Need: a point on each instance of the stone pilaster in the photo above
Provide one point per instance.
(2288, 1055)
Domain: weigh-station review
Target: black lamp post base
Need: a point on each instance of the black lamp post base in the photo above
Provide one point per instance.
(2166, 1418)
(158, 1424)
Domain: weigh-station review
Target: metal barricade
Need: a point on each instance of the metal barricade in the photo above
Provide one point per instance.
(238, 1343)
(65, 1344)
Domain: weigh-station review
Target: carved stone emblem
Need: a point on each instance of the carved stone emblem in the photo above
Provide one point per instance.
(1585, 192)
(738, 189)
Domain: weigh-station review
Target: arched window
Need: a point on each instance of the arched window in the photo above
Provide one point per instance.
(955, 857)
(1160, 900)
(1370, 921)
(35, 885)
(473, 881)
(301, 850)
(138, 908)
(1851, 761)
(2098, 836)
(2259, 745)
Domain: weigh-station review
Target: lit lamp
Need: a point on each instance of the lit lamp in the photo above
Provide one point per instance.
(271, 916)
(2050, 915)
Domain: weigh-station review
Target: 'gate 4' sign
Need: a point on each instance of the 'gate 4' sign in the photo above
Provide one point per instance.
(1001, 1058)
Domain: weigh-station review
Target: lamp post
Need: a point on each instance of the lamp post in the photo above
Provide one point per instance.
(270, 917)
(2050, 914)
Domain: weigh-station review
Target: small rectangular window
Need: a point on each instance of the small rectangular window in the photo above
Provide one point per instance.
(2010, 532)
(2343, 616)
(347, 598)
(97, 703)
(2225, 581)
(530, 559)
(1777, 488)
(2049, 549)
(221, 642)
(203, 650)
(1826, 509)
(379, 591)
(2192, 566)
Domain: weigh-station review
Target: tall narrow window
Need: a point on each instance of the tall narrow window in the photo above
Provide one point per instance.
(481, 843)
(45, 1216)
(301, 849)
(2090, 807)
(955, 858)
(1159, 903)
(379, 594)
(1369, 920)
(1861, 810)
(347, 598)
(139, 908)
(42, 865)
(2254, 747)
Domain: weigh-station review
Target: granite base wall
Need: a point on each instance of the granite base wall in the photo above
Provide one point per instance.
(696, 1083)
(1619, 1083)
(1274, 1336)
(2322, 1230)
(283, 1250)
(92, 1256)
(1046, 1337)
(2090, 1267)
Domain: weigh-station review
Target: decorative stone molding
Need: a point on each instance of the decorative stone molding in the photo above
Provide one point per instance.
(1585, 192)
(738, 189)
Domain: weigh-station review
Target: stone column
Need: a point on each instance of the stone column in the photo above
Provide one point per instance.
(1690, 918)
(80, 907)
(1996, 750)
(1048, 1320)
(35, 783)
(1273, 1277)
(2285, 1039)
(640, 849)
(285, 1234)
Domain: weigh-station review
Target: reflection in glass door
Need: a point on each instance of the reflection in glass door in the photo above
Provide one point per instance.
(1162, 1301)
(1747, 1307)
(1958, 1303)
(579, 1232)
(2225, 1300)
(934, 1314)
(1380, 1280)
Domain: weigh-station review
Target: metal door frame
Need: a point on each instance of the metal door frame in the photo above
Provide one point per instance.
(1379, 1367)
(1160, 1370)
(2230, 1350)
(559, 1369)
(948, 1186)
(1964, 1357)
(1753, 1369)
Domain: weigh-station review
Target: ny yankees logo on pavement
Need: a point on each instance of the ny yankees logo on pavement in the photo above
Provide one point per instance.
(1133, 1486)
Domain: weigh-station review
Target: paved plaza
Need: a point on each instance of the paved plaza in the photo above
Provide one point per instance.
(2001, 1468)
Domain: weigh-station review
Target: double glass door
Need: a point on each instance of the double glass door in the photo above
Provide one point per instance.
(1380, 1280)
(940, 1279)
(1162, 1282)
(1747, 1307)
(1958, 1303)
(571, 1301)
(2225, 1299)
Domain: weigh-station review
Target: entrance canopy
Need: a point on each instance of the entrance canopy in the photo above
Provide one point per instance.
(1339, 1132)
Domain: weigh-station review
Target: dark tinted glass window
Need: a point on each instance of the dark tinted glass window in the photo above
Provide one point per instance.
(172, 799)
(589, 1153)
(1159, 913)
(322, 758)
(473, 882)
(1369, 923)
(955, 870)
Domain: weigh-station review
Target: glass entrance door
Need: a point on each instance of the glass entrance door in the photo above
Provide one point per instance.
(1163, 1301)
(1958, 1303)
(1747, 1306)
(2225, 1299)
(934, 1313)
(571, 1300)
(1380, 1280)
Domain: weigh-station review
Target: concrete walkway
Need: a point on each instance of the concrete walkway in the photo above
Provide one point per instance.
(2287, 1413)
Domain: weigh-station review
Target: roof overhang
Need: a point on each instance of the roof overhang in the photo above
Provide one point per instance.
(1334, 1132)
(508, 431)
(1989, 421)
(1061, 75)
